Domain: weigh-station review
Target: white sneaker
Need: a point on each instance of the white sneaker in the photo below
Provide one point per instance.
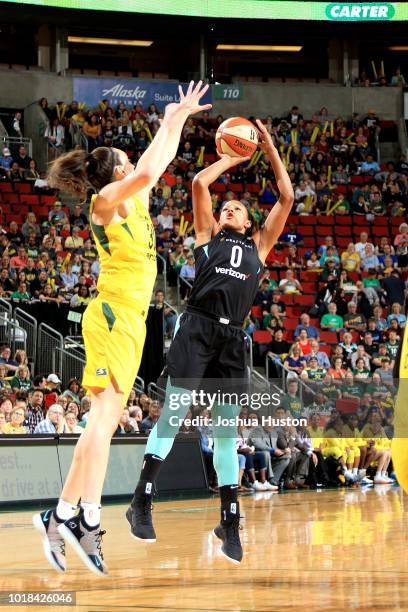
(366, 481)
(259, 486)
(388, 479)
(348, 475)
(380, 480)
(269, 486)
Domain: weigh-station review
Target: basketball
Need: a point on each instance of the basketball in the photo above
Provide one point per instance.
(237, 137)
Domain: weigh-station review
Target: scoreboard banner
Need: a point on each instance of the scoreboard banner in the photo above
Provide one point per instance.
(250, 9)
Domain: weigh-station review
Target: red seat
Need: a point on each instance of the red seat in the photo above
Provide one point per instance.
(253, 188)
(31, 199)
(395, 221)
(308, 230)
(354, 276)
(306, 220)
(288, 298)
(219, 187)
(359, 220)
(235, 187)
(309, 287)
(342, 241)
(343, 220)
(262, 335)
(6, 186)
(357, 180)
(322, 230)
(291, 322)
(84, 234)
(293, 311)
(328, 336)
(326, 348)
(305, 300)
(343, 230)
(256, 311)
(379, 231)
(348, 405)
(381, 221)
(325, 220)
(209, 157)
(310, 242)
(23, 187)
(47, 199)
(17, 218)
(11, 198)
(341, 189)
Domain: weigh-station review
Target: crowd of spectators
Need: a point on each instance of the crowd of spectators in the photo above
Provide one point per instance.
(360, 288)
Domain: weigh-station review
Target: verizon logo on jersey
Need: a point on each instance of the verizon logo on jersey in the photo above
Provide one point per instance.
(231, 272)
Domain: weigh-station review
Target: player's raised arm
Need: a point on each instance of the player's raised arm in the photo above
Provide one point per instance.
(267, 236)
(163, 148)
(205, 225)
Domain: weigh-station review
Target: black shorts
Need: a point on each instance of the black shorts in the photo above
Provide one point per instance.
(204, 349)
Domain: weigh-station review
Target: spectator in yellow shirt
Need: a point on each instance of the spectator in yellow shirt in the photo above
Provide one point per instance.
(15, 426)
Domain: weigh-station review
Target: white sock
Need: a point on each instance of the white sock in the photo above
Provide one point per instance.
(378, 474)
(65, 510)
(355, 471)
(92, 513)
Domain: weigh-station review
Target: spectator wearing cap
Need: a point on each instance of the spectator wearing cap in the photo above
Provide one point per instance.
(6, 160)
(57, 216)
(51, 390)
(54, 421)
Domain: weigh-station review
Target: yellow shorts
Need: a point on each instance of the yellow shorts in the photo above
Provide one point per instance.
(114, 335)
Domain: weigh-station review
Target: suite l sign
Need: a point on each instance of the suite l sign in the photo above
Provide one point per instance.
(360, 12)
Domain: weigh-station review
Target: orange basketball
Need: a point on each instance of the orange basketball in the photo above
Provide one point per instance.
(236, 137)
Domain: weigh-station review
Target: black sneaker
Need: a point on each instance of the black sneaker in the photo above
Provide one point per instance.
(53, 543)
(228, 533)
(87, 543)
(139, 515)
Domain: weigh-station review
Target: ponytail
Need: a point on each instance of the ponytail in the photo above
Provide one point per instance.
(79, 171)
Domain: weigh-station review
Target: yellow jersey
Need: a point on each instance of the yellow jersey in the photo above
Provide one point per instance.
(127, 253)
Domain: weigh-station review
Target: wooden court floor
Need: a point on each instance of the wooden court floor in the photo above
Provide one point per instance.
(328, 550)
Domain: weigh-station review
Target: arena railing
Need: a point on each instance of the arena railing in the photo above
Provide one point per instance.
(180, 282)
(164, 263)
(29, 324)
(287, 374)
(49, 348)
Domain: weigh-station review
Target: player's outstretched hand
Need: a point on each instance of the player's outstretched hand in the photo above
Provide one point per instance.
(233, 161)
(189, 102)
(265, 140)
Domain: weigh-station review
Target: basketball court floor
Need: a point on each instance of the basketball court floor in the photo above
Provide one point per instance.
(329, 550)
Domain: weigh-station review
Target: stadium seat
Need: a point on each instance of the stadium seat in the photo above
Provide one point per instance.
(343, 220)
(11, 198)
(307, 230)
(6, 186)
(306, 220)
(329, 337)
(253, 188)
(291, 323)
(309, 242)
(343, 230)
(32, 199)
(23, 187)
(306, 300)
(256, 311)
(309, 287)
(347, 405)
(263, 336)
(325, 220)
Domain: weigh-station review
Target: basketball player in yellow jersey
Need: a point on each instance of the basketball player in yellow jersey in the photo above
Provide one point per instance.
(399, 447)
(114, 323)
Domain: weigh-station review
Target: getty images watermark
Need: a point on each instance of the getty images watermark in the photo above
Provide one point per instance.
(216, 404)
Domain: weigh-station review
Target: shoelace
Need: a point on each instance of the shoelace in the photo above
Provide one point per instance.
(98, 540)
(234, 528)
(146, 510)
